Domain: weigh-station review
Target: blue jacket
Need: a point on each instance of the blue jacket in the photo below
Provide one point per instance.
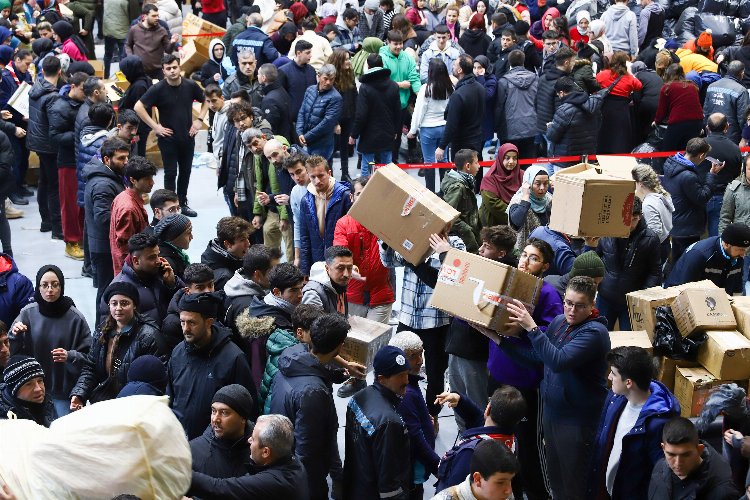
(574, 385)
(641, 446)
(564, 254)
(689, 196)
(256, 40)
(16, 290)
(296, 80)
(706, 260)
(414, 412)
(8, 87)
(313, 244)
(319, 115)
(91, 141)
(102, 185)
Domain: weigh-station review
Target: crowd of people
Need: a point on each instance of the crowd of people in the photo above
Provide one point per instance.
(247, 342)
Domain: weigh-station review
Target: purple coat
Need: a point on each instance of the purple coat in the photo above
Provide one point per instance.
(506, 370)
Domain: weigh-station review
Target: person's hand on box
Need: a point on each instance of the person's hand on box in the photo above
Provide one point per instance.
(356, 370)
(520, 316)
(591, 241)
(439, 244)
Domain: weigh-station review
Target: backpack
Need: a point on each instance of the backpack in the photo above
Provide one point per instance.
(445, 468)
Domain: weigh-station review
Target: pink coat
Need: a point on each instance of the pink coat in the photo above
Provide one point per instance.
(69, 47)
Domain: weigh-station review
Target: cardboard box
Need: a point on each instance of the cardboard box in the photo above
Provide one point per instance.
(637, 338)
(194, 56)
(194, 25)
(617, 166)
(116, 89)
(98, 66)
(476, 289)
(364, 340)
(642, 304)
(707, 309)
(399, 210)
(588, 202)
(668, 370)
(726, 355)
(741, 308)
(692, 387)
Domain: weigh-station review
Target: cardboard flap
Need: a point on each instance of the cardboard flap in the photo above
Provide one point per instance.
(617, 166)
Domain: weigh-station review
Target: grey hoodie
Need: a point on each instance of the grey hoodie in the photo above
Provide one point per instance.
(654, 8)
(621, 27)
(319, 291)
(657, 210)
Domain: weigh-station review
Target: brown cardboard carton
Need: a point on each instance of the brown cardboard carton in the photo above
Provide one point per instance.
(692, 387)
(476, 289)
(364, 340)
(637, 338)
(642, 304)
(708, 309)
(399, 210)
(668, 370)
(194, 56)
(617, 166)
(98, 66)
(590, 203)
(726, 355)
(741, 308)
(194, 25)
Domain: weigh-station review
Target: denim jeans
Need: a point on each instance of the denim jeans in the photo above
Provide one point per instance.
(613, 312)
(429, 138)
(379, 157)
(62, 407)
(713, 209)
(745, 269)
(322, 149)
(110, 44)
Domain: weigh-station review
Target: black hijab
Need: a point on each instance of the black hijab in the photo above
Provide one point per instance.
(59, 307)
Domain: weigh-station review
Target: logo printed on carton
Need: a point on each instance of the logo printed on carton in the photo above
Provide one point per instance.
(711, 303)
(409, 205)
(449, 274)
(627, 209)
(605, 214)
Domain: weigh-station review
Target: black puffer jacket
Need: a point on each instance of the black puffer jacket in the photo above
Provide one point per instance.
(464, 114)
(629, 262)
(41, 97)
(82, 120)
(302, 391)
(62, 119)
(378, 115)
(102, 186)
(276, 109)
(132, 68)
(575, 125)
(689, 196)
(221, 262)
(475, 42)
(230, 159)
(546, 101)
(377, 462)
(42, 414)
(220, 457)
(7, 159)
(139, 340)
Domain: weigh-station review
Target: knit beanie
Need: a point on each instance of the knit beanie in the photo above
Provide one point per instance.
(737, 235)
(148, 369)
(122, 288)
(237, 398)
(588, 264)
(171, 227)
(206, 303)
(21, 369)
(705, 40)
(390, 360)
(63, 29)
(4, 4)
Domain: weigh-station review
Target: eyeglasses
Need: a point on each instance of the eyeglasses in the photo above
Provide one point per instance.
(531, 258)
(573, 305)
(50, 286)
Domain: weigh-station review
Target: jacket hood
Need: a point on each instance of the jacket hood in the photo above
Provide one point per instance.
(211, 46)
(41, 87)
(374, 75)
(653, 7)
(577, 99)
(279, 341)
(254, 328)
(579, 63)
(91, 133)
(520, 77)
(216, 256)
(660, 402)
(95, 168)
(665, 200)
(677, 164)
(474, 35)
(619, 11)
(553, 74)
(238, 286)
(7, 266)
(132, 68)
(297, 361)
(318, 273)
(260, 307)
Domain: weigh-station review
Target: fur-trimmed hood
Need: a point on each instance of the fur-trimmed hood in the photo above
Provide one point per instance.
(251, 327)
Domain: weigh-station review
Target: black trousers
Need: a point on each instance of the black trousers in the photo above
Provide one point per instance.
(435, 359)
(177, 156)
(341, 144)
(679, 245)
(218, 18)
(48, 192)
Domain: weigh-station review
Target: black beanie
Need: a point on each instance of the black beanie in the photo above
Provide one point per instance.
(122, 288)
(206, 303)
(149, 369)
(236, 397)
(737, 235)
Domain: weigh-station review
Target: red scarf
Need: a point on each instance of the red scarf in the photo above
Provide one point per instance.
(12, 72)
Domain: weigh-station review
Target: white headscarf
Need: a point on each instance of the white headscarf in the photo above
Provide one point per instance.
(583, 14)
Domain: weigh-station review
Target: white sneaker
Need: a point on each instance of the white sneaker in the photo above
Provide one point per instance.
(11, 212)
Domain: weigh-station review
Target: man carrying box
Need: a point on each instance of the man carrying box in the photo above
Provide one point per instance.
(718, 259)
(573, 351)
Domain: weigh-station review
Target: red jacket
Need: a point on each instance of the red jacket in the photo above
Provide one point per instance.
(364, 246)
(128, 217)
(213, 6)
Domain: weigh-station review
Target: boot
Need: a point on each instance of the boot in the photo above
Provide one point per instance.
(73, 250)
(12, 212)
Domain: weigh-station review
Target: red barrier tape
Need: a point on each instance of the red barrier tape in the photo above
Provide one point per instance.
(554, 159)
(206, 34)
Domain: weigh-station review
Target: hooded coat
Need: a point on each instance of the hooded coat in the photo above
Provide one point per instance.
(302, 391)
(221, 262)
(62, 117)
(16, 290)
(689, 195)
(220, 458)
(213, 66)
(546, 100)
(102, 185)
(458, 192)
(621, 27)
(320, 291)
(575, 125)
(240, 293)
(42, 96)
(92, 137)
(195, 374)
(641, 446)
(375, 130)
(515, 114)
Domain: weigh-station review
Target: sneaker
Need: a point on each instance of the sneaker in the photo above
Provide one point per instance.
(17, 199)
(57, 236)
(87, 272)
(421, 172)
(12, 212)
(188, 212)
(46, 227)
(351, 387)
(74, 251)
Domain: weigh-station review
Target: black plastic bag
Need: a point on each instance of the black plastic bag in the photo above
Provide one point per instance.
(685, 25)
(677, 7)
(668, 341)
(722, 29)
(713, 6)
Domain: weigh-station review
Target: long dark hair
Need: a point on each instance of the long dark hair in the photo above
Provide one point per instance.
(439, 84)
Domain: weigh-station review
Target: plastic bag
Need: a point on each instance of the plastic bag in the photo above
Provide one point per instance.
(684, 28)
(132, 445)
(713, 6)
(722, 28)
(678, 7)
(668, 341)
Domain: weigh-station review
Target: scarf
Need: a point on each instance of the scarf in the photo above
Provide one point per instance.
(370, 45)
(538, 205)
(59, 307)
(583, 14)
(282, 304)
(12, 72)
(179, 251)
(500, 182)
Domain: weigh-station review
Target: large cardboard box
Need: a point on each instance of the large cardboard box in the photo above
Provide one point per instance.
(477, 289)
(617, 166)
(668, 370)
(364, 340)
(116, 89)
(642, 304)
(726, 355)
(194, 56)
(741, 308)
(194, 25)
(588, 202)
(98, 66)
(399, 210)
(707, 309)
(692, 387)
(637, 338)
